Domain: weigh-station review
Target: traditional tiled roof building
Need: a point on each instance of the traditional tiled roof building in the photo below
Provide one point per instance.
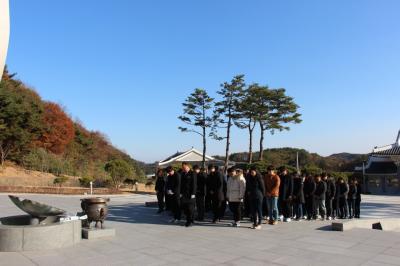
(382, 170)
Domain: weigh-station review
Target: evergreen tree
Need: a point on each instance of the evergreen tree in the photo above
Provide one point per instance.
(227, 110)
(275, 110)
(196, 115)
(246, 117)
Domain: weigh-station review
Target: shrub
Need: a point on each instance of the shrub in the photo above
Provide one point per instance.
(85, 181)
(60, 180)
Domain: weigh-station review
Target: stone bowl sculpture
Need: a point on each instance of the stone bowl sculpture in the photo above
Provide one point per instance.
(40, 229)
(40, 213)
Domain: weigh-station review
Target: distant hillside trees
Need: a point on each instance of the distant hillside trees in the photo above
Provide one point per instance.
(119, 170)
(21, 112)
(58, 129)
(41, 136)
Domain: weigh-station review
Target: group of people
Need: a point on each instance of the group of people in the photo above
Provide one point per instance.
(268, 197)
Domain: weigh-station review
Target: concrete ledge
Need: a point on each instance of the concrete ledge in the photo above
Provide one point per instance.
(94, 233)
(39, 237)
(385, 224)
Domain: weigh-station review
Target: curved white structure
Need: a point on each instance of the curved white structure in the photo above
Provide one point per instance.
(4, 32)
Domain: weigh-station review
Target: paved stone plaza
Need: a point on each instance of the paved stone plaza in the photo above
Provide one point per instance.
(145, 238)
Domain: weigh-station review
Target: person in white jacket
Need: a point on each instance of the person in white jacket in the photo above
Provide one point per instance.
(236, 188)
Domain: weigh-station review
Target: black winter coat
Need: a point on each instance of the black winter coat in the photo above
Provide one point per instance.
(286, 187)
(359, 190)
(174, 184)
(255, 188)
(215, 185)
(343, 191)
(298, 194)
(352, 195)
(160, 184)
(188, 184)
(309, 188)
(320, 190)
(201, 184)
(330, 189)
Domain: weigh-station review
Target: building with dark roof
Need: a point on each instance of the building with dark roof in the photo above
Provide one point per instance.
(191, 156)
(382, 170)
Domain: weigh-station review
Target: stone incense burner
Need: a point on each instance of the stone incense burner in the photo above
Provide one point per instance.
(96, 210)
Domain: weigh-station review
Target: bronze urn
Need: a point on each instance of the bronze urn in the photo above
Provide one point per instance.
(96, 210)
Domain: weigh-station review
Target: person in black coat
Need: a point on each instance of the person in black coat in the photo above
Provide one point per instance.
(216, 189)
(319, 197)
(351, 199)
(160, 190)
(222, 209)
(309, 189)
(174, 192)
(285, 193)
(329, 196)
(358, 199)
(343, 190)
(201, 177)
(298, 197)
(188, 193)
(255, 190)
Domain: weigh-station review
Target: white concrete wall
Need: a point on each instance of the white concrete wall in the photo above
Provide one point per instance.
(4, 32)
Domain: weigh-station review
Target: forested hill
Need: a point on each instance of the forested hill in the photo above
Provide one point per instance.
(39, 135)
(343, 162)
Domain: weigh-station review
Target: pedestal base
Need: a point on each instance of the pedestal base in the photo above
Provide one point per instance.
(94, 233)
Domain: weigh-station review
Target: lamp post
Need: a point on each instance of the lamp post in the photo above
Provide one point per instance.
(4, 33)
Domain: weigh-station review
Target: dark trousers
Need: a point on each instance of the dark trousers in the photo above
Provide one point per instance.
(176, 207)
(329, 207)
(298, 210)
(336, 209)
(207, 203)
(200, 205)
(265, 210)
(256, 210)
(160, 200)
(357, 208)
(343, 208)
(188, 209)
(236, 209)
(287, 208)
(216, 207)
(310, 209)
(246, 206)
(222, 209)
(351, 203)
(168, 205)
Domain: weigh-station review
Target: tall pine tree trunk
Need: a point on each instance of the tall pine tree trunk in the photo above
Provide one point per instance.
(260, 157)
(203, 164)
(250, 143)
(228, 142)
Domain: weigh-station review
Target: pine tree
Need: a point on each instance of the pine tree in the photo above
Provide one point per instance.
(196, 115)
(227, 110)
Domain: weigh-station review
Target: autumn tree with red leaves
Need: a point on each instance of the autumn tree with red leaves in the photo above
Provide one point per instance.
(59, 129)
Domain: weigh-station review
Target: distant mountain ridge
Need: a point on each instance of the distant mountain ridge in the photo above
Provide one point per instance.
(340, 162)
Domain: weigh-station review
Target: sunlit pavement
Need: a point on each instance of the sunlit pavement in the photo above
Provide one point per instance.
(145, 238)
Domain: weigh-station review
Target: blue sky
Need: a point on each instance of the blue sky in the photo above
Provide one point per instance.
(124, 67)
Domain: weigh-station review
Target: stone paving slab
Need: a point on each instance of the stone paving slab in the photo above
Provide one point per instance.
(145, 238)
